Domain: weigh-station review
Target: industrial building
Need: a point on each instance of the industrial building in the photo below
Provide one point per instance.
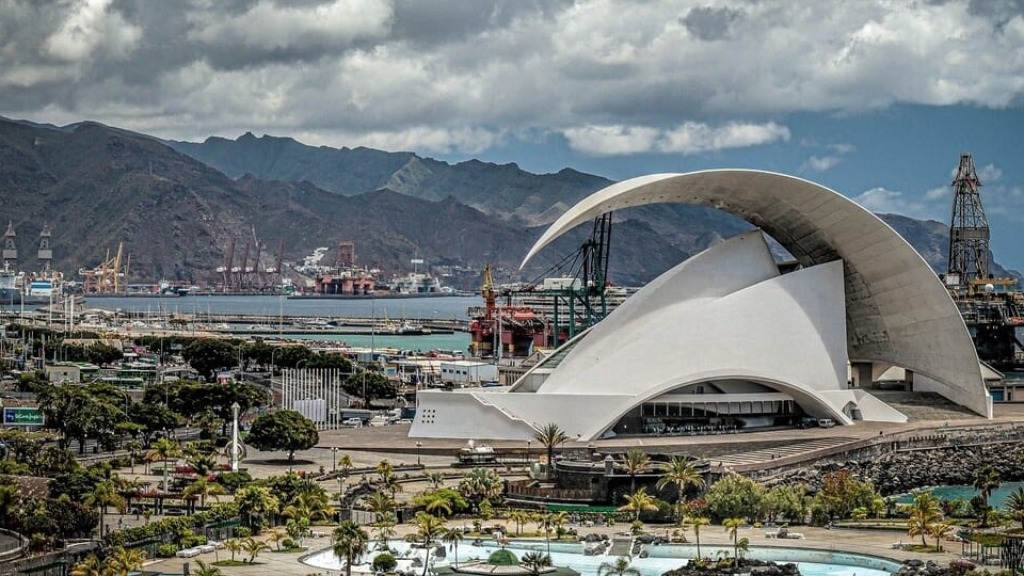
(727, 341)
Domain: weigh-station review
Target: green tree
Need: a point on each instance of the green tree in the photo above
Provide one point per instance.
(1015, 505)
(535, 561)
(283, 430)
(122, 561)
(105, 494)
(986, 480)
(639, 501)
(481, 484)
(202, 488)
(787, 501)
(697, 522)
(620, 567)
(89, 566)
(925, 511)
(208, 355)
(349, 543)
(734, 495)
(550, 436)
(254, 502)
(207, 569)
(162, 450)
(840, 493)
(732, 526)
(428, 528)
(452, 536)
(253, 548)
(683, 474)
(635, 462)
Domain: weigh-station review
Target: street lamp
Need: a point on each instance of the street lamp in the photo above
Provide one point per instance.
(528, 443)
(334, 452)
(418, 446)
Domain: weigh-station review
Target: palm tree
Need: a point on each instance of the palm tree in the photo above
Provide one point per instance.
(428, 528)
(345, 464)
(520, 517)
(937, 531)
(435, 479)
(122, 561)
(206, 569)
(386, 530)
(103, 495)
(697, 522)
(255, 501)
(349, 543)
(620, 567)
(635, 462)
(986, 480)
(1015, 504)
(204, 489)
(253, 547)
(276, 536)
(732, 526)
(385, 470)
(234, 545)
(534, 561)
(90, 566)
(639, 501)
(437, 502)
(380, 503)
(681, 472)
(925, 511)
(549, 436)
(452, 536)
(162, 450)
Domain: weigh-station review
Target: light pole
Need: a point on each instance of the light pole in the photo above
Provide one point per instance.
(528, 443)
(234, 436)
(418, 446)
(334, 452)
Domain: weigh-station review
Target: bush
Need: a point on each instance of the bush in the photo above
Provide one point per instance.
(166, 550)
(384, 562)
(232, 481)
(288, 543)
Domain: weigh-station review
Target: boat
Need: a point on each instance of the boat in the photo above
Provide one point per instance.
(9, 292)
(42, 290)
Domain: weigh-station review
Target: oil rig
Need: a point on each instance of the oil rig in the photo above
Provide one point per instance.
(991, 306)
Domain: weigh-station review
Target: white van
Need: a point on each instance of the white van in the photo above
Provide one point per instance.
(826, 423)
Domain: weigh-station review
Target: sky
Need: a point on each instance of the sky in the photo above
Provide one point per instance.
(875, 99)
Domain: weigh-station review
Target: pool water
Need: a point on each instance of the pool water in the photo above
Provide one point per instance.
(661, 559)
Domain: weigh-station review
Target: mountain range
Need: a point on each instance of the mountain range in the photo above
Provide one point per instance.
(178, 207)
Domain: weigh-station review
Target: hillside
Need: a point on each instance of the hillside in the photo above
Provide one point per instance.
(177, 213)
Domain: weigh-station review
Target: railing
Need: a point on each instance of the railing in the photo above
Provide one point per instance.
(12, 545)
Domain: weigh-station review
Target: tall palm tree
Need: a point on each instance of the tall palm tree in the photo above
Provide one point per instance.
(386, 530)
(435, 479)
(549, 436)
(925, 511)
(732, 526)
(697, 522)
(162, 450)
(349, 543)
(681, 472)
(428, 528)
(635, 462)
(520, 517)
(253, 547)
(380, 503)
(937, 531)
(620, 567)
(1015, 504)
(124, 560)
(452, 536)
(104, 494)
(255, 501)
(234, 545)
(639, 501)
(385, 469)
(986, 480)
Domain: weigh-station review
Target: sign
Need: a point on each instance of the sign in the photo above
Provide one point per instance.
(23, 416)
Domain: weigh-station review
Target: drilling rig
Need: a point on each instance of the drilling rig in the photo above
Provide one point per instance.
(991, 306)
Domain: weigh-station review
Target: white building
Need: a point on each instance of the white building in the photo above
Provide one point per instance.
(726, 340)
(468, 372)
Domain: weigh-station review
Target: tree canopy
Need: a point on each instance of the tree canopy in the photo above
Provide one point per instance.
(283, 430)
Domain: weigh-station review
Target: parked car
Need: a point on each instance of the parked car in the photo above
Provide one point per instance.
(352, 423)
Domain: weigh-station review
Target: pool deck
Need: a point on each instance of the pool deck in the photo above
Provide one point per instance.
(877, 543)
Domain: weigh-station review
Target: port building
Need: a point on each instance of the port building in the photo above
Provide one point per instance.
(729, 340)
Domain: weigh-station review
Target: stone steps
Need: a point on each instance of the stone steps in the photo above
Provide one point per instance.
(774, 453)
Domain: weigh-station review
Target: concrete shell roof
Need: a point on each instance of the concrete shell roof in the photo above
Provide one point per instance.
(898, 311)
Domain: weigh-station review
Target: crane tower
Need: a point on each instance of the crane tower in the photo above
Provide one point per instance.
(968, 228)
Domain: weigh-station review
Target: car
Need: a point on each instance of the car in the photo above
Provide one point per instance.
(352, 423)
(826, 423)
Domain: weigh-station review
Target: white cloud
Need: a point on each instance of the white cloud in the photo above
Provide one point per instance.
(884, 201)
(688, 138)
(88, 27)
(821, 164)
(989, 173)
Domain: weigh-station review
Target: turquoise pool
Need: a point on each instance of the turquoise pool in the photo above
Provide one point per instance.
(660, 558)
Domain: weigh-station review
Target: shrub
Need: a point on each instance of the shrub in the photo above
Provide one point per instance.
(288, 543)
(384, 562)
(166, 550)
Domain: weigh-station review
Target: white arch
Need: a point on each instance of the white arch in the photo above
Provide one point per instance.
(897, 310)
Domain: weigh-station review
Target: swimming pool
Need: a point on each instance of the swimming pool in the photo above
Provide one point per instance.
(660, 559)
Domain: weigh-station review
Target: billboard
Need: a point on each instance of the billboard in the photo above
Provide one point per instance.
(23, 416)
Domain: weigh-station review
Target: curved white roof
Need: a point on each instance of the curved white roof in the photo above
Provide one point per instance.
(897, 310)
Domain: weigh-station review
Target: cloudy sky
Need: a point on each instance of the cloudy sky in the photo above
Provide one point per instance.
(874, 98)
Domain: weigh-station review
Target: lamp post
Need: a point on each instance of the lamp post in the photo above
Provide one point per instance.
(334, 453)
(234, 436)
(528, 443)
(418, 446)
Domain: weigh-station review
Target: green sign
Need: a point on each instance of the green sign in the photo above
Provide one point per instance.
(23, 416)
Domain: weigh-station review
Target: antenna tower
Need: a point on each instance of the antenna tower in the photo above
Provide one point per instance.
(968, 228)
